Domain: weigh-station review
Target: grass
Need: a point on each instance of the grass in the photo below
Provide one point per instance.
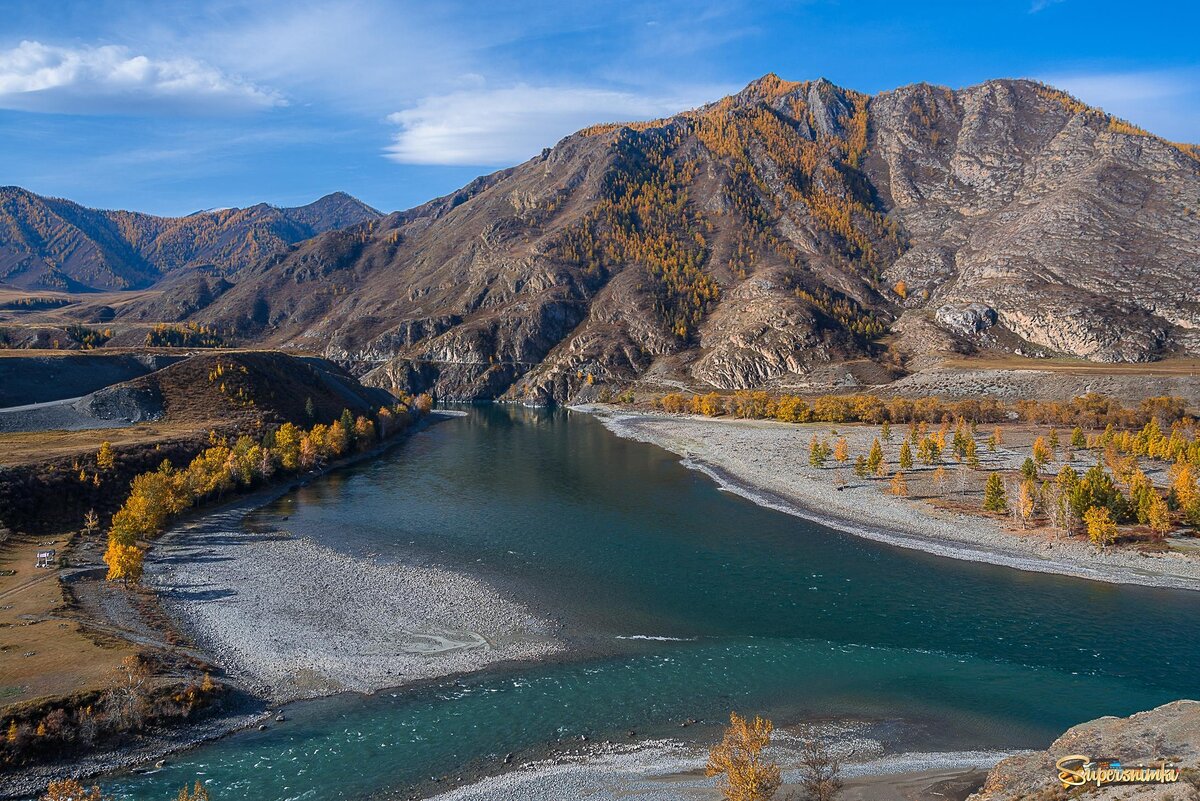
(41, 656)
(28, 447)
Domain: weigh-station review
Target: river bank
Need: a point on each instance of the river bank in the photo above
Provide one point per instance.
(291, 619)
(767, 463)
(221, 613)
(669, 770)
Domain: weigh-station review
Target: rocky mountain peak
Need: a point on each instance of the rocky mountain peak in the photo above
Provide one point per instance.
(765, 239)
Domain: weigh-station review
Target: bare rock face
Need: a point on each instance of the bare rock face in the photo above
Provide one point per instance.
(1170, 732)
(1053, 215)
(968, 320)
(763, 240)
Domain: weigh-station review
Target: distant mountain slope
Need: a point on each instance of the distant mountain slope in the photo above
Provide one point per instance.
(48, 243)
(789, 235)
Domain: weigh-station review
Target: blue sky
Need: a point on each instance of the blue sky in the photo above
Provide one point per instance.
(174, 107)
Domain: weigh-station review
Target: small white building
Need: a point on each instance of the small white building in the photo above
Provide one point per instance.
(45, 559)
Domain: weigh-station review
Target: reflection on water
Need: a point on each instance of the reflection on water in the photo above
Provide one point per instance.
(686, 602)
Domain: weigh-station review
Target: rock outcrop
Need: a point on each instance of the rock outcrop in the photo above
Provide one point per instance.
(1169, 733)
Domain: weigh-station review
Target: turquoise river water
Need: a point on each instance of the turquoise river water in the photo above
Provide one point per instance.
(682, 601)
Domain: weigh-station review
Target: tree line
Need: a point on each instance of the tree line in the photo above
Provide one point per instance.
(157, 496)
(1088, 411)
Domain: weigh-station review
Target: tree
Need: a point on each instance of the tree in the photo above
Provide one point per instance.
(309, 411)
(1042, 452)
(1097, 488)
(91, 522)
(1078, 440)
(1159, 516)
(71, 790)
(364, 432)
(886, 431)
(820, 771)
(128, 692)
(124, 561)
(744, 774)
(860, 467)
(1026, 501)
(899, 485)
(105, 458)
(197, 793)
(906, 456)
(1029, 470)
(841, 450)
(972, 454)
(994, 498)
(818, 451)
(287, 445)
(1101, 529)
(929, 450)
(939, 479)
(875, 458)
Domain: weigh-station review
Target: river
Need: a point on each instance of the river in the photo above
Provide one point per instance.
(681, 602)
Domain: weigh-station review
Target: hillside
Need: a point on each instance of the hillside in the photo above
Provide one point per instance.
(48, 243)
(792, 235)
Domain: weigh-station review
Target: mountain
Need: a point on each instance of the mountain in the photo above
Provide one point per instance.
(788, 235)
(48, 243)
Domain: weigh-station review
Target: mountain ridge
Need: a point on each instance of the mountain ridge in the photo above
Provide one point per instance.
(793, 235)
(54, 243)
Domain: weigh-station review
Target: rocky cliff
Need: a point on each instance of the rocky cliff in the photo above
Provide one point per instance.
(1170, 732)
(778, 237)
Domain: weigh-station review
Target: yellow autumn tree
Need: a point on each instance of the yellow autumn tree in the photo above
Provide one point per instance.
(1042, 452)
(124, 562)
(841, 450)
(1159, 516)
(364, 432)
(287, 445)
(71, 790)
(899, 485)
(738, 760)
(198, 793)
(1101, 529)
(1026, 501)
(105, 458)
(338, 438)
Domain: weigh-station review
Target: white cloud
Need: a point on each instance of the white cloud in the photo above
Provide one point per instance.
(111, 79)
(505, 126)
(1164, 102)
(1106, 89)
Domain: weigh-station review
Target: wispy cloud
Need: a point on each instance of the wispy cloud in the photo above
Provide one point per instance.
(1042, 5)
(507, 125)
(1166, 102)
(1104, 89)
(112, 79)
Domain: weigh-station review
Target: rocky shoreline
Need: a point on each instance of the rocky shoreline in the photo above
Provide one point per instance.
(291, 619)
(151, 746)
(767, 463)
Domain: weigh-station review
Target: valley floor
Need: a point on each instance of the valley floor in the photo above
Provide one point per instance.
(767, 462)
